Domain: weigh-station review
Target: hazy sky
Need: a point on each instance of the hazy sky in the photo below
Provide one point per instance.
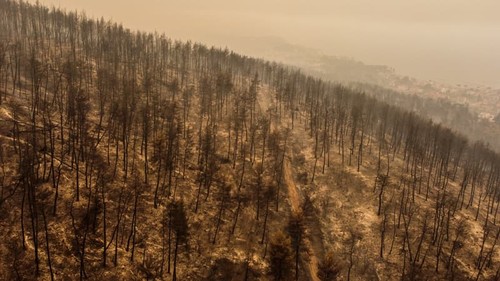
(444, 40)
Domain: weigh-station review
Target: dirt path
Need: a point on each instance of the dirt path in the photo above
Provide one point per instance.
(265, 102)
(293, 195)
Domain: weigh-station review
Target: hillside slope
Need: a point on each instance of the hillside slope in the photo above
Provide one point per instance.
(127, 156)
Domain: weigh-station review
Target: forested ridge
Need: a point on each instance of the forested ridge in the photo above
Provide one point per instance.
(128, 156)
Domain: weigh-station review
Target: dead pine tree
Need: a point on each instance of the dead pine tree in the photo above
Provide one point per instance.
(179, 225)
(296, 229)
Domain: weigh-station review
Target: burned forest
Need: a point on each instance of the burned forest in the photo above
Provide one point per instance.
(126, 155)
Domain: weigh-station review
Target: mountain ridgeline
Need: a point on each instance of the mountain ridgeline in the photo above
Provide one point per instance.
(128, 156)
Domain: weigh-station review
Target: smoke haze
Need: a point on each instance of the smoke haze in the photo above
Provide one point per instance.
(455, 41)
